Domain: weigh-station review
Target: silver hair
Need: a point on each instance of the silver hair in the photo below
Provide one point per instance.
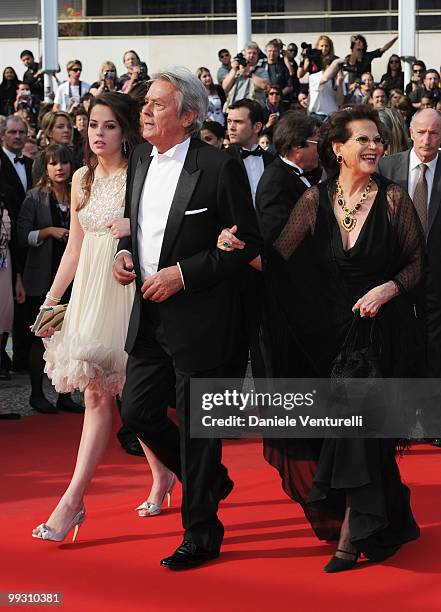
(422, 110)
(191, 94)
(252, 45)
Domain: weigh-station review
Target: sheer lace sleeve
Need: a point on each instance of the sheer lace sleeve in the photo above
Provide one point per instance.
(301, 222)
(410, 238)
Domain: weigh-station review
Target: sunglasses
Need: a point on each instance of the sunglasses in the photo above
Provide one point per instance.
(274, 93)
(417, 70)
(394, 61)
(76, 69)
(365, 140)
(224, 55)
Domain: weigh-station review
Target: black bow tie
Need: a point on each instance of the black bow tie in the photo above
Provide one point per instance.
(19, 160)
(258, 152)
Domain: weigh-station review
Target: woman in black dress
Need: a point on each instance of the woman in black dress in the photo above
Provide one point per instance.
(358, 240)
(351, 244)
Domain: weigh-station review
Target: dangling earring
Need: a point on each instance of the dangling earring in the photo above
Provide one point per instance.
(339, 159)
(125, 148)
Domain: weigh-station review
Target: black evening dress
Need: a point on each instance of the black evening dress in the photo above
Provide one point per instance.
(313, 283)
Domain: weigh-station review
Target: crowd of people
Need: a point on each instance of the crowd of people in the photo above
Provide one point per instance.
(293, 228)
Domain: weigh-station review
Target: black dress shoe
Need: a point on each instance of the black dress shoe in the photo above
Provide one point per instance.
(41, 404)
(187, 556)
(226, 489)
(10, 416)
(66, 403)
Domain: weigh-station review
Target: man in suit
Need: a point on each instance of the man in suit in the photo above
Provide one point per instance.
(418, 171)
(245, 121)
(15, 174)
(180, 193)
(283, 182)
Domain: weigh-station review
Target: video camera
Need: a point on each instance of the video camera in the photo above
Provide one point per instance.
(314, 55)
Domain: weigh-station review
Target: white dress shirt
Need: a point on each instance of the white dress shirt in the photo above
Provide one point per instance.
(301, 177)
(155, 203)
(254, 166)
(414, 174)
(19, 168)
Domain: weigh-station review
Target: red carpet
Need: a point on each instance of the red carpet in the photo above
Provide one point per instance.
(271, 559)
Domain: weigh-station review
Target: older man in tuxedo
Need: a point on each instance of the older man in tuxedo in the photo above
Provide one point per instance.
(16, 179)
(180, 194)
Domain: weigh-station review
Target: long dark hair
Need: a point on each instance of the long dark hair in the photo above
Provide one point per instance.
(389, 70)
(126, 113)
(56, 153)
(9, 83)
(335, 129)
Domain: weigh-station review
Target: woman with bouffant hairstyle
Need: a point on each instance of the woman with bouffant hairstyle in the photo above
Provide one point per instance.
(357, 240)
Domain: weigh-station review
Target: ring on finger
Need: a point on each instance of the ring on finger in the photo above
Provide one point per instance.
(226, 243)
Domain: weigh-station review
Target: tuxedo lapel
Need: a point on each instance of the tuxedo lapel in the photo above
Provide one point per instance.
(401, 175)
(12, 176)
(138, 184)
(184, 191)
(435, 196)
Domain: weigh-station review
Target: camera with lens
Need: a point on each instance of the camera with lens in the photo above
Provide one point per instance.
(348, 68)
(110, 74)
(314, 55)
(240, 57)
(22, 104)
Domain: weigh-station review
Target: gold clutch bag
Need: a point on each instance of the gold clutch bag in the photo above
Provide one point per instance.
(49, 316)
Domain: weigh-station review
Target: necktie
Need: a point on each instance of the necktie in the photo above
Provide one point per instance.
(244, 153)
(19, 160)
(420, 196)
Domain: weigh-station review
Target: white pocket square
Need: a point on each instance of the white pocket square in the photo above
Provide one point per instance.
(196, 212)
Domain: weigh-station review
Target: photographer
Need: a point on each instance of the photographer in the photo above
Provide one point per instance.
(323, 99)
(360, 58)
(417, 78)
(360, 89)
(279, 68)
(26, 101)
(138, 74)
(246, 79)
(312, 57)
(107, 79)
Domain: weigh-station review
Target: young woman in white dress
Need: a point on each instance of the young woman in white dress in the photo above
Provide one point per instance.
(88, 352)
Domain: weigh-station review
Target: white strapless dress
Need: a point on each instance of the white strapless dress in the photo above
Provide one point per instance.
(89, 349)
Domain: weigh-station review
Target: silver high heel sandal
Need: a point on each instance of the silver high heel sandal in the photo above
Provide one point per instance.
(148, 508)
(47, 533)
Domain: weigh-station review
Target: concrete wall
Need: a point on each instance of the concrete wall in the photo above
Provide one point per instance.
(194, 51)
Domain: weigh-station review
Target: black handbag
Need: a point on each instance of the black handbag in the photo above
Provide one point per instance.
(358, 357)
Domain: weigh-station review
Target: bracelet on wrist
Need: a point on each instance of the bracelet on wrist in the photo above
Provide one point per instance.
(52, 298)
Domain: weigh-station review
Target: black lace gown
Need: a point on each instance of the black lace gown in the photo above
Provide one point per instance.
(311, 297)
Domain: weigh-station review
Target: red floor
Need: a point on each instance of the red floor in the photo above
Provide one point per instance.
(270, 559)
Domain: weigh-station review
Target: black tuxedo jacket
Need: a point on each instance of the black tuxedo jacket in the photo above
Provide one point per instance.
(9, 178)
(396, 168)
(200, 320)
(277, 193)
(234, 151)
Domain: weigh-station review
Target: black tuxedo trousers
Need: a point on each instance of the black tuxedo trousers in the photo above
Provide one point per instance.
(151, 380)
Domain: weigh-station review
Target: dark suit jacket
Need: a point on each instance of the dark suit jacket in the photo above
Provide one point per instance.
(14, 194)
(199, 321)
(277, 193)
(9, 176)
(396, 168)
(35, 213)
